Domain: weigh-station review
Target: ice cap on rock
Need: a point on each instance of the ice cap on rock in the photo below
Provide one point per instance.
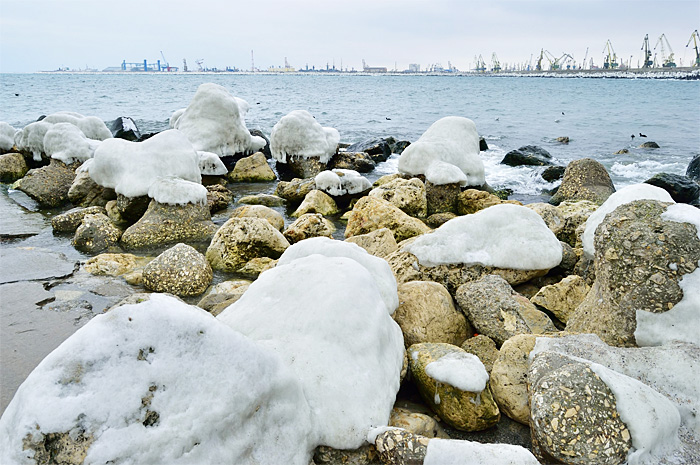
(339, 182)
(67, 143)
(298, 134)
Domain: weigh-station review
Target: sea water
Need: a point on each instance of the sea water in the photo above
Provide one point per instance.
(598, 115)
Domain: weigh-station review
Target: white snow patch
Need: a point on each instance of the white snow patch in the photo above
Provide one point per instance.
(340, 182)
(461, 370)
(683, 213)
(457, 452)
(210, 164)
(440, 172)
(131, 167)
(299, 135)
(502, 236)
(175, 191)
(91, 126)
(452, 140)
(31, 138)
(176, 116)
(67, 143)
(7, 137)
(623, 196)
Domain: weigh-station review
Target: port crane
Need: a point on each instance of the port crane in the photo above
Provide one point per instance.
(495, 64)
(695, 38)
(667, 61)
(199, 64)
(583, 66)
(538, 67)
(647, 63)
(610, 61)
(480, 64)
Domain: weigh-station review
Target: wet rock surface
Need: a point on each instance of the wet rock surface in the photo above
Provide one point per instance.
(584, 179)
(528, 155)
(180, 270)
(48, 185)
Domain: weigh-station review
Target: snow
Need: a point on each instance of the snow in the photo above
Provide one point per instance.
(175, 117)
(220, 397)
(325, 317)
(461, 370)
(683, 213)
(7, 137)
(214, 121)
(623, 196)
(652, 418)
(93, 127)
(31, 138)
(341, 181)
(175, 191)
(210, 164)
(452, 140)
(440, 172)
(299, 135)
(502, 236)
(67, 143)
(379, 268)
(131, 167)
(456, 452)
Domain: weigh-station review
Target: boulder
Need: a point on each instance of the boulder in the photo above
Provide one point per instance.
(464, 410)
(371, 213)
(553, 173)
(649, 145)
(399, 146)
(84, 192)
(574, 215)
(131, 209)
(438, 219)
(584, 179)
(633, 276)
(528, 155)
(48, 185)
(266, 149)
(166, 224)
(416, 423)
(497, 311)
(483, 146)
(562, 298)
(240, 240)
(399, 447)
(563, 140)
(390, 177)
(180, 270)
(222, 295)
(426, 313)
(295, 190)
(124, 127)
(260, 211)
(693, 170)
(363, 455)
(484, 348)
(308, 225)
(218, 197)
(115, 264)
(442, 198)
(682, 188)
(551, 215)
(473, 200)
(267, 200)
(96, 233)
(317, 201)
(252, 169)
(256, 266)
(408, 195)
(379, 243)
(12, 167)
(379, 150)
(70, 220)
(357, 161)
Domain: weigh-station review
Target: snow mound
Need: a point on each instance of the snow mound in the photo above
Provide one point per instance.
(340, 182)
(457, 452)
(162, 382)
(7, 137)
(326, 319)
(461, 370)
(623, 196)
(31, 138)
(175, 191)
(67, 143)
(175, 117)
(502, 236)
(211, 165)
(131, 167)
(379, 268)
(452, 140)
(299, 135)
(214, 121)
(440, 172)
(93, 127)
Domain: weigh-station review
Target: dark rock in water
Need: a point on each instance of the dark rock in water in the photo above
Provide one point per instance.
(48, 185)
(528, 155)
(682, 188)
(25, 264)
(132, 208)
(399, 146)
(12, 167)
(300, 167)
(358, 161)
(693, 171)
(649, 145)
(621, 152)
(563, 139)
(84, 192)
(553, 173)
(125, 128)
(96, 233)
(265, 150)
(483, 146)
(218, 197)
(378, 149)
(584, 179)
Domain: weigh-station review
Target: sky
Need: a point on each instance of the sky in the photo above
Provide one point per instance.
(40, 35)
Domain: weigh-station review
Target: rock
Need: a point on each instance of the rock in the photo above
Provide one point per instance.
(17, 221)
(66, 448)
(399, 146)
(357, 161)
(551, 215)
(484, 348)
(48, 185)
(442, 198)
(84, 192)
(378, 149)
(260, 211)
(96, 233)
(300, 167)
(240, 240)
(364, 455)
(574, 419)
(553, 173)
(562, 140)
(693, 170)
(222, 295)
(218, 197)
(528, 155)
(31, 264)
(180, 270)
(584, 179)
(308, 225)
(630, 274)
(166, 224)
(416, 423)
(115, 264)
(124, 127)
(371, 213)
(438, 219)
(569, 258)
(463, 410)
(408, 195)
(379, 243)
(252, 169)
(574, 215)
(483, 146)
(473, 200)
(390, 177)
(399, 447)
(131, 209)
(262, 199)
(682, 188)
(12, 167)
(649, 145)
(70, 220)
(317, 201)
(254, 267)
(426, 313)
(497, 311)
(295, 191)
(563, 297)
(266, 149)
(621, 152)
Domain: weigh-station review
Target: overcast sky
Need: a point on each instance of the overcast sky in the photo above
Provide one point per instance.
(47, 34)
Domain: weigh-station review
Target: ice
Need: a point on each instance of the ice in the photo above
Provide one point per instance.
(175, 191)
(214, 121)
(453, 140)
(131, 167)
(326, 318)
(175, 117)
(31, 138)
(93, 127)
(461, 370)
(502, 236)
(67, 143)
(379, 268)
(298, 134)
(625, 195)
(440, 172)
(7, 137)
(210, 164)
(341, 181)
(456, 452)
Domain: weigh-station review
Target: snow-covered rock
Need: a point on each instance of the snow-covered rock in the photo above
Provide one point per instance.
(93, 127)
(214, 121)
(440, 172)
(341, 182)
(299, 135)
(7, 137)
(211, 165)
(175, 191)
(30, 138)
(452, 140)
(67, 143)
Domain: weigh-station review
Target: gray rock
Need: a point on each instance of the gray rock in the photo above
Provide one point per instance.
(357, 161)
(96, 233)
(125, 128)
(262, 199)
(528, 155)
(364, 455)
(584, 179)
(300, 167)
(682, 188)
(438, 219)
(30, 264)
(407, 194)
(553, 173)
(378, 149)
(17, 221)
(84, 192)
(218, 197)
(649, 145)
(180, 270)
(693, 170)
(308, 225)
(131, 209)
(12, 167)
(48, 185)
(70, 220)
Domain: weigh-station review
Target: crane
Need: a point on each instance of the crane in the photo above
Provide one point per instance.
(199, 64)
(495, 64)
(647, 63)
(610, 61)
(538, 67)
(480, 64)
(667, 61)
(584, 59)
(695, 38)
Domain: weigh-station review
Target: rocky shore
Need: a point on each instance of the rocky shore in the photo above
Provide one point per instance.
(219, 295)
